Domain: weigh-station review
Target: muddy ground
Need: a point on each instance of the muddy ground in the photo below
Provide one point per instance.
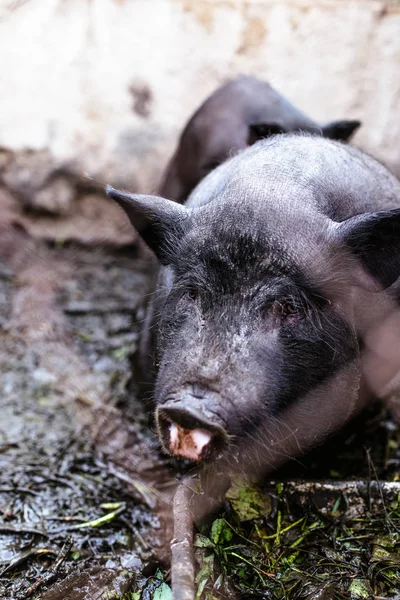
(76, 471)
(85, 493)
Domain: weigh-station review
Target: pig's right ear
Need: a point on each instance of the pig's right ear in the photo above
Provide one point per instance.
(374, 238)
(259, 131)
(160, 222)
(340, 130)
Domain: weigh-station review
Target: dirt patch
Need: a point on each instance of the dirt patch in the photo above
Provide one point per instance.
(72, 464)
(55, 201)
(202, 12)
(253, 35)
(142, 99)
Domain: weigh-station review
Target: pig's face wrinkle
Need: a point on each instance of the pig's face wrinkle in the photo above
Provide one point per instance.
(219, 263)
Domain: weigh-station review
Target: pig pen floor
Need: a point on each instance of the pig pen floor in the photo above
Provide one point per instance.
(75, 472)
(84, 490)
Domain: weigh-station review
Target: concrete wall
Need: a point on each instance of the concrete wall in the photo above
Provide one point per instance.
(104, 86)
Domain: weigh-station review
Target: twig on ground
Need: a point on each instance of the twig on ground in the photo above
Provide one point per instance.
(101, 520)
(22, 557)
(182, 552)
(18, 490)
(52, 572)
(16, 530)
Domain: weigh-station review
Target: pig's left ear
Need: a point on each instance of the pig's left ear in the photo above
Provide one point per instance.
(158, 221)
(374, 238)
(259, 131)
(340, 130)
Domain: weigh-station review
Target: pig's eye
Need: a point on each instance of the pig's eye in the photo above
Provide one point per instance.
(287, 308)
(192, 293)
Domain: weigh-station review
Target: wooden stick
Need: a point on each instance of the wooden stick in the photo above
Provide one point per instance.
(182, 559)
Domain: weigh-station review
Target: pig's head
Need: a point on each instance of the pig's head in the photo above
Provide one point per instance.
(257, 339)
(210, 139)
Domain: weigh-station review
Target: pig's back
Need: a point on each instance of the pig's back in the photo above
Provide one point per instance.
(331, 178)
(249, 100)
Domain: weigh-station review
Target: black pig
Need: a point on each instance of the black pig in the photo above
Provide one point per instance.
(235, 116)
(272, 276)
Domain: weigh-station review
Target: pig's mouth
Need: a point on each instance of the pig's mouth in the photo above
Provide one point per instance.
(189, 434)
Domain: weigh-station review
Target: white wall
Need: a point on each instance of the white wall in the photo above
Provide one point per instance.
(68, 68)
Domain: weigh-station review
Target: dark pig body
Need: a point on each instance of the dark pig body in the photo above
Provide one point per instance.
(235, 116)
(274, 274)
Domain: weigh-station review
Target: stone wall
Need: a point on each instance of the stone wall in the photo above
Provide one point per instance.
(101, 88)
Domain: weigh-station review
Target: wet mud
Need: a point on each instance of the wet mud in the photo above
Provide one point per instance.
(79, 466)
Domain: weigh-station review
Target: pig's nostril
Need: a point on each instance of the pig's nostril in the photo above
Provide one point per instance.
(189, 443)
(189, 433)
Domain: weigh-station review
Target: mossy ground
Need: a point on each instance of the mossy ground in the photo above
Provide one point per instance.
(298, 540)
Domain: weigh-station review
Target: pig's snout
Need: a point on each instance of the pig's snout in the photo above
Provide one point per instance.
(188, 428)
